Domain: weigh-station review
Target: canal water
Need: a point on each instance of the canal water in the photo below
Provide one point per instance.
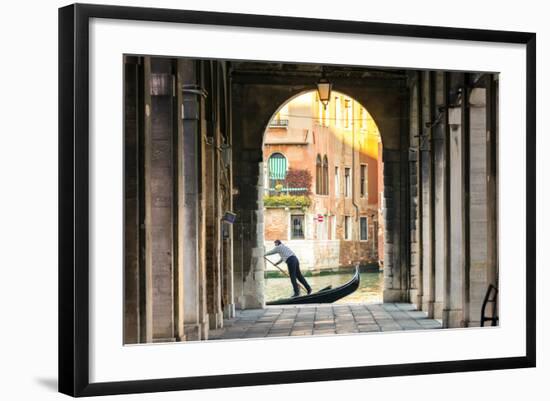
(369, 291)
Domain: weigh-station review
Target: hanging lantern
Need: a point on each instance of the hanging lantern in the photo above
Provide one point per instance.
(324, 88)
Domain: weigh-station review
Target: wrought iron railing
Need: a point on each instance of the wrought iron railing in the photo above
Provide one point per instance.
(286, 191)
(278, 123)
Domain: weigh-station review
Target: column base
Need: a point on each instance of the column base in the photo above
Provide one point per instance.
(428, 307)
(250, 302)
(215, 320)
(205, 327)
(165, 340)
(438, 310)
(477, 323)
(229, 311)
(196, 331)
(453, 318)
(415, 297)
(391, 296)
(192, 331)
(253, 286)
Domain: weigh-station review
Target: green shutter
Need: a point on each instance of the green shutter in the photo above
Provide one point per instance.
(277, 167)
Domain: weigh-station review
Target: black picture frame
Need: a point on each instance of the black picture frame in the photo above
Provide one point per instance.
(74, 198)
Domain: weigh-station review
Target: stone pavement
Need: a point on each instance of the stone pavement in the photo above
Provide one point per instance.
(323, 319)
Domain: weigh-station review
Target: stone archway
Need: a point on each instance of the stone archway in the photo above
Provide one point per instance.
(254, 101)
(195, 153)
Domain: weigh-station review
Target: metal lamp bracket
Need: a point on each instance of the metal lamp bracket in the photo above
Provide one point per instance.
(194, 89)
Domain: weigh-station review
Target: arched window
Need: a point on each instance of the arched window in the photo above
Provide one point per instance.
(319, 176)
(277, 167)
(325, 175)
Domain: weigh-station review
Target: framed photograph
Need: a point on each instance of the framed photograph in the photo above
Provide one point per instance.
(252, 199)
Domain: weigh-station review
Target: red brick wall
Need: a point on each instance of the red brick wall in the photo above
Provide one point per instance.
(276, 224)
(353, 252)
(300, 143)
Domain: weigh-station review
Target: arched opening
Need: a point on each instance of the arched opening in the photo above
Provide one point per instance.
(328, 207)
(223, 157)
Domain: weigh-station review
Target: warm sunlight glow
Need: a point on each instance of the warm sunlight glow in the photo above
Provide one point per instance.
(344, 117)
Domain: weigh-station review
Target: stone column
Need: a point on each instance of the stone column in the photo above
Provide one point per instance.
(159, 171)
(147, 286)
(414, 238)
(426, 196)
(249, 249)
(228, 278)
(179, 236)
(227, 229)
(404, 195)
(415, 294)
(188, 76)
(440, 195)
(492, 179)
(212, 197)
(132, 124)
(479, 267)
(393, 280)
(213, 249)
(454, 314)
(397, 212)
(205, 116)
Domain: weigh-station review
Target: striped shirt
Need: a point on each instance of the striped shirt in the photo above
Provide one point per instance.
(283, 251)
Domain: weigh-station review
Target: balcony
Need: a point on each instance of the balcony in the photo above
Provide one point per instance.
(286, 191)
(278, 123)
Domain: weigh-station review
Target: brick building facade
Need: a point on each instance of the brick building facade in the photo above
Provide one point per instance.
(335, 220)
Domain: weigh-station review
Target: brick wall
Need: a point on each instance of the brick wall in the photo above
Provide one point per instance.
(276, 224)
(314, 255)
(354, 252)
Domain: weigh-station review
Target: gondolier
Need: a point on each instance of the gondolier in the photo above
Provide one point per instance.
(293, 264)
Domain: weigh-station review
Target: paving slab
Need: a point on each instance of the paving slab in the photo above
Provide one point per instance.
(322, 319)
(367, 328)
(406, 307)
(323, 332)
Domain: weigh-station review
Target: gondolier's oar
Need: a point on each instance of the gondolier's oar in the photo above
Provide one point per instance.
(285, 273)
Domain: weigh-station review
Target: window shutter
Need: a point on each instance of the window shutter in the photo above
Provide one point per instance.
(277, 167)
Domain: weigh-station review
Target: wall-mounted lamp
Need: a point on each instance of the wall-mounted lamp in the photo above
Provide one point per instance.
(229, 217)
(195, 90)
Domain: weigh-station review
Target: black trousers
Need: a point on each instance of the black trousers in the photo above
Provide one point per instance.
(294, 270)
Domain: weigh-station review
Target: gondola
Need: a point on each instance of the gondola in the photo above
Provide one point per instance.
(324, 296)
